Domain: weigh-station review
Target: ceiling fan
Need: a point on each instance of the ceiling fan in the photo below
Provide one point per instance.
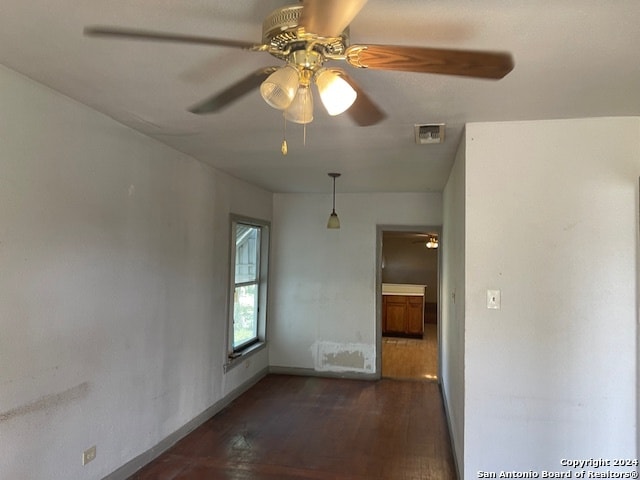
(306, 36)
(429, 240)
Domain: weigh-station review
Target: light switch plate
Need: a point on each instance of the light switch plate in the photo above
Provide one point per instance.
(493, 299)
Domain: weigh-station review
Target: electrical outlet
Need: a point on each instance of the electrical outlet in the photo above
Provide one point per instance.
(88, 455)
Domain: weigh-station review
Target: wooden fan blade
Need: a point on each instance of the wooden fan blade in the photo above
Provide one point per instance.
(328, 18)
(220, 100)
(364, 111)
(467, 63)
(127, 33)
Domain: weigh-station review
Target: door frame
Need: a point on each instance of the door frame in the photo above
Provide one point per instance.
(403, 228)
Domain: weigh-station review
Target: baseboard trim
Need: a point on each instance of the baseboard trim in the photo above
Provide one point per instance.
(143, 459)
(310, 372)
(450, 426)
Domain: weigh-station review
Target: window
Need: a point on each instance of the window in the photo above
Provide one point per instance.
(249, 243)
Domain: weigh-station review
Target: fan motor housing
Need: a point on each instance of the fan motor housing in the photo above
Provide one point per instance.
(282, 32)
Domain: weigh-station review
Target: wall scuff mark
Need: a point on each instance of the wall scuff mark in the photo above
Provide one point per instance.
(47, 402)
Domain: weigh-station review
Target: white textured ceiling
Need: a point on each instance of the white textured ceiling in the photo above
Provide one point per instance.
(574, 58)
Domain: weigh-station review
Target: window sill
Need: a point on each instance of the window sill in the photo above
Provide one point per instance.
(238, 357)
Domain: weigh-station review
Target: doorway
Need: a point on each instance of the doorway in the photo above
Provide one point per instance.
(408, 302)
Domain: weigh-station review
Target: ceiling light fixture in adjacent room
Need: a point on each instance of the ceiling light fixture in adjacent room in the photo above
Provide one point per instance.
(432, 242)
(334, 221)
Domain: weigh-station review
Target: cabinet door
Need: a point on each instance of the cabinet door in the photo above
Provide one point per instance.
(415, 316)
(396, 313)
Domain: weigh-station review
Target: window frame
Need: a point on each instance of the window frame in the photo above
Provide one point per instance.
(262, 275)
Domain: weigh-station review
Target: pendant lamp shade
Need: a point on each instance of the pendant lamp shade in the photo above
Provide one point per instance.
(334, 221)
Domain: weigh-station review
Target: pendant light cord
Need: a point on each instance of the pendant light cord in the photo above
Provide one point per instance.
(334, 194)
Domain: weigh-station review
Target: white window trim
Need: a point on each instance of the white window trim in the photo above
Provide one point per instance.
(235, 357)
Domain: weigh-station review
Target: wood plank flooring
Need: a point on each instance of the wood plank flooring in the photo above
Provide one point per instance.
(292, 427)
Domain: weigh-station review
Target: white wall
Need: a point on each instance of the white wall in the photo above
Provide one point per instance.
(551, 221)
(452, 306)
(323, 302)
(113, 292)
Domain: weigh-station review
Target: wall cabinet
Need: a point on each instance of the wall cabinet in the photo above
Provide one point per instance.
(403, 315)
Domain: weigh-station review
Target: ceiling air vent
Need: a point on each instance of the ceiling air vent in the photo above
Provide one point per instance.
(429, 133)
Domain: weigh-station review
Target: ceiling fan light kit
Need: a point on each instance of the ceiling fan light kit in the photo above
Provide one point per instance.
(281, 89)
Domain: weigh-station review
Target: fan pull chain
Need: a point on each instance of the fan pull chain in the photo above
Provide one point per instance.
(284, 149)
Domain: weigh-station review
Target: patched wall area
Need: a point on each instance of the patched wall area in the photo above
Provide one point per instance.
(337, 357)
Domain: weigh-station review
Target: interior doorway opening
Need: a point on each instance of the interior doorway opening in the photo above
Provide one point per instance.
(408, 302)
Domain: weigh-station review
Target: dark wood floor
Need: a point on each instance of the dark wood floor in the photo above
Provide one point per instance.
(292, 427)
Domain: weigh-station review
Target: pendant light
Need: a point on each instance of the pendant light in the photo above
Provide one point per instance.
(334, 221)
